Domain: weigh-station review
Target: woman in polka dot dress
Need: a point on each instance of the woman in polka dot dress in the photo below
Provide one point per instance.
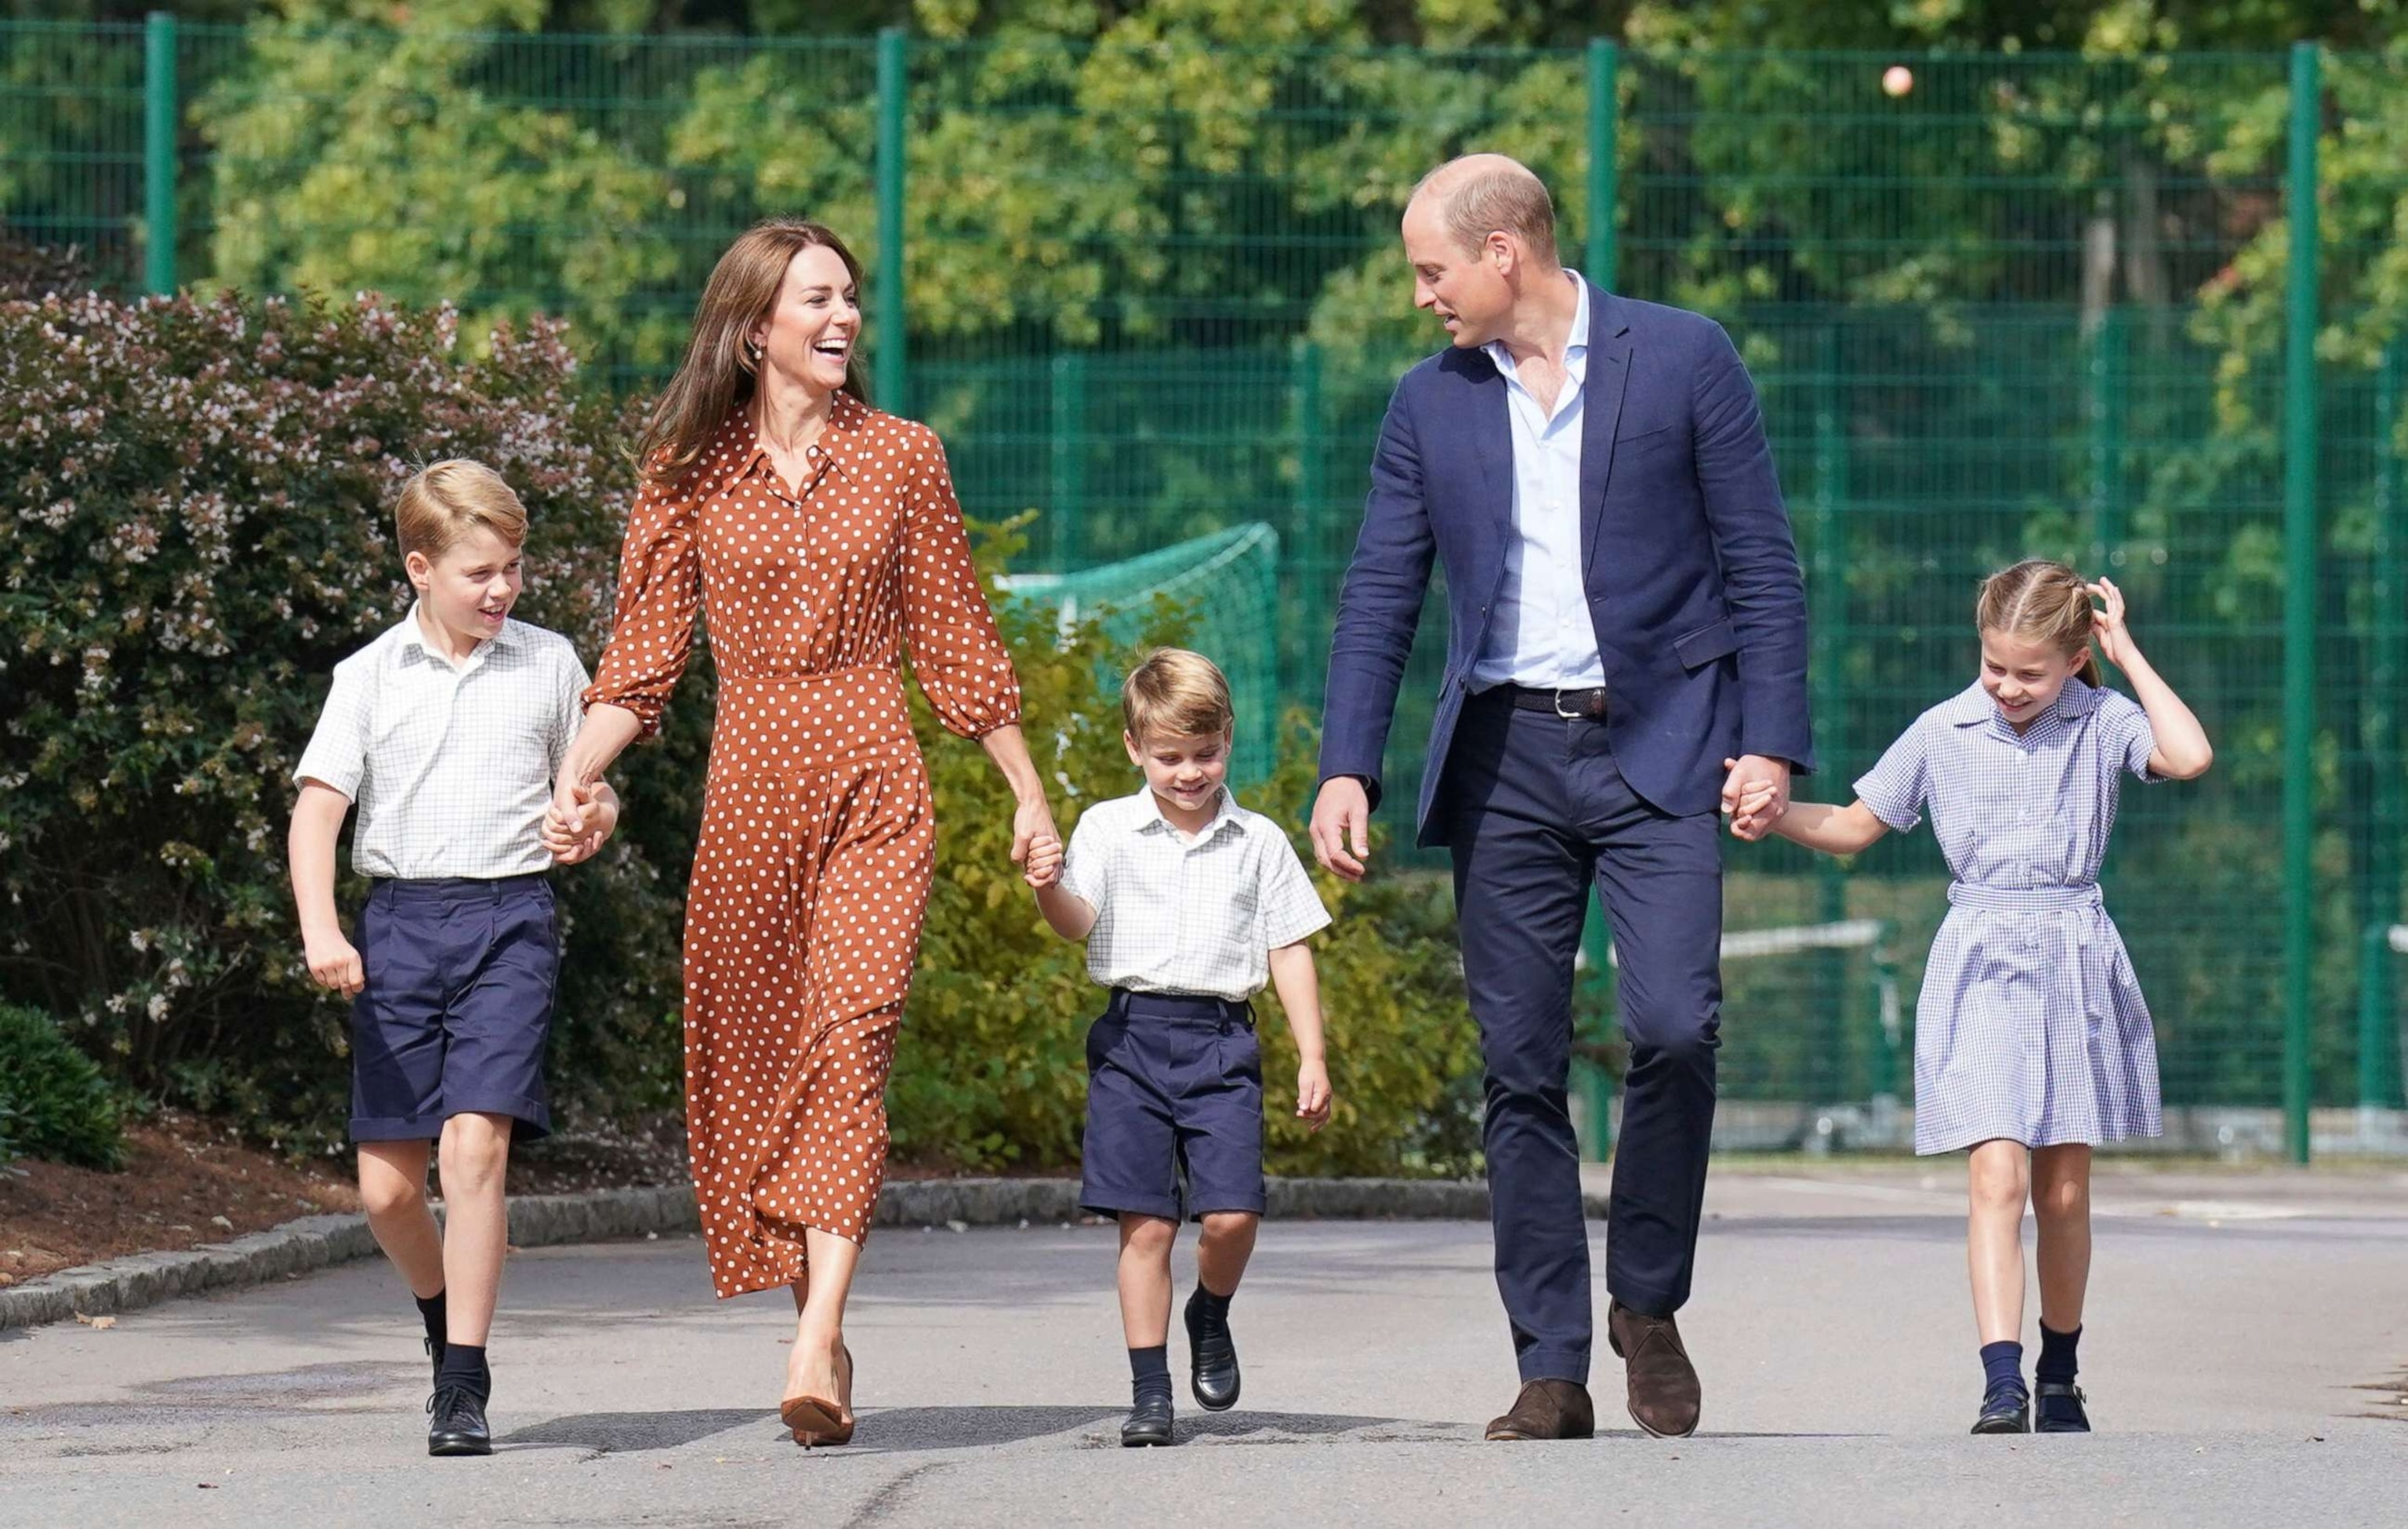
(818, 538)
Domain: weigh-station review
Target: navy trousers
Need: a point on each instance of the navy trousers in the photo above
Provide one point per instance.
(1536, 810)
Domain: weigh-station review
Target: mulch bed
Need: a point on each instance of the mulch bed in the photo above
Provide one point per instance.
(188, 1181)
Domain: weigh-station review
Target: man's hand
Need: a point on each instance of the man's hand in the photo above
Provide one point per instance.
(1341, 827)
(333, 962)
(1754, 794)
(1313, 1099)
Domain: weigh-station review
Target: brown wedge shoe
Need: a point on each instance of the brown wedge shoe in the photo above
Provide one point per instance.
(1548, 1409)
(1664, 1397)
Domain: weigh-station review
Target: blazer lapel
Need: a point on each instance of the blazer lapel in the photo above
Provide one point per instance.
(1492, 446)
(1609, 374)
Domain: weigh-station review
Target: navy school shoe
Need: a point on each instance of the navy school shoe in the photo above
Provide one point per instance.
(1211, 1354)
(2060, 1407)
(2006, 1408)
(1149, 1421)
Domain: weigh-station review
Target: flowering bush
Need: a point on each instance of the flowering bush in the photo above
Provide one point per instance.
(194, 530)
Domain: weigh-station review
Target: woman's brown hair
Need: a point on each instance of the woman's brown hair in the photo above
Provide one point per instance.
(2045, 601)
(717, 376)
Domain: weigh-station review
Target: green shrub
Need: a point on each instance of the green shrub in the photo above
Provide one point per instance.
(54, 1101)
(201, 533)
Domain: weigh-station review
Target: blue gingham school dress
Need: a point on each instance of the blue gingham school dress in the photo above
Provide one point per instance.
(2031, 1027)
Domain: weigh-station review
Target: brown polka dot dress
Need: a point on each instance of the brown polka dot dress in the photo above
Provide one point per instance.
(811, 875)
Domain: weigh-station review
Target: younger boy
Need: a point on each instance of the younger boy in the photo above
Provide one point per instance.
(446, 731)
(1188, 903)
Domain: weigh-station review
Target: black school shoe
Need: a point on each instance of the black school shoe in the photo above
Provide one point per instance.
(1149, 1423)
(456, 1424)
(2060, 1407)
(2007, 1409)
(1212, 1357)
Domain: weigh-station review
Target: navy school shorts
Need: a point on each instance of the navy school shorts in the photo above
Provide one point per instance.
(458, 1002)
(1174, 1108)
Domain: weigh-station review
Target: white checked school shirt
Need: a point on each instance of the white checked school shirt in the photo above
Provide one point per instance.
(451, 768)
(1174, 915)
(1543, 634)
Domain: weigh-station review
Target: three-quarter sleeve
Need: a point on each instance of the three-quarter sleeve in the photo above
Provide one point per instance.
(956, 654)
(660, 592)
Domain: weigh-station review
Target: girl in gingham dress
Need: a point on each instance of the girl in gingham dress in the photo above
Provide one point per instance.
(2032, 1040)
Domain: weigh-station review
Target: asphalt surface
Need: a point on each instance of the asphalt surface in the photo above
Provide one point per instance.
(2247, 1359)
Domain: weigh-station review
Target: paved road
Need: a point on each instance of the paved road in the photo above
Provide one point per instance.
(2247, 1359)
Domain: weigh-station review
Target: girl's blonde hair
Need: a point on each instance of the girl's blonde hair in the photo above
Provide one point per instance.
(2043, 602)
(1177, 693)
(442, 503)
(718, 374)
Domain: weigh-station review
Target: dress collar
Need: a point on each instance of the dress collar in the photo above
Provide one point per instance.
(740, 445)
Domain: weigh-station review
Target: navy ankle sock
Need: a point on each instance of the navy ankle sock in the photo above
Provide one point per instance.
(430, 1311)
(466, 1366)
(2003, 1366)
(2057, 1362)
(1149, 1371)
(1212, 1305)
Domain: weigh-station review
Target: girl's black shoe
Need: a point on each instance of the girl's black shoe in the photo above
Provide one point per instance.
(1148, 1422)
(2061, 1408)
(456, 1423)
(2005, 1410)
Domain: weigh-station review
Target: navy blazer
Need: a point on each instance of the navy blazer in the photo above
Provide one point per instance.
(1691, 574)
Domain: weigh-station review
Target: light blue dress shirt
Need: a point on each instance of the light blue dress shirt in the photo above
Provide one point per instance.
(1539, 634)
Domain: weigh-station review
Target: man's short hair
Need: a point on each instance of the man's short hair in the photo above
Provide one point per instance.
(1177, 693)
(442, 503)
(1479, 194)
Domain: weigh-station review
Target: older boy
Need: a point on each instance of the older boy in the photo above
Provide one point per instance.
(446, 731)
(1188, 904)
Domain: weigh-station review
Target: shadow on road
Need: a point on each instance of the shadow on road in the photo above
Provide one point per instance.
(912, 1429)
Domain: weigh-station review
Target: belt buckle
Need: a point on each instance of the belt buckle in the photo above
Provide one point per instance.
(1572, 716)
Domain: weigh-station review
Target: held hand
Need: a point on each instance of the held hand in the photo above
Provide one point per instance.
(569, 799)
(1044, 866)
(332, 964)
(2108, 624)
(1341, 827)
(1313, 1099)
(1754, 794)
(597, 812)
(1031, 821)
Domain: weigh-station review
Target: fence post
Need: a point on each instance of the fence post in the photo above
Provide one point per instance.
(2299, 447)
(1070, 454)
(1604, 184)
(1310, 539)
(1596, 1085)
(2108, 346)
(1828, 592)
(158, 153)
(2378, 1039)
(894, 83)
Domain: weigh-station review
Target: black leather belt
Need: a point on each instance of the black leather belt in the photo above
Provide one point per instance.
(1571, 705)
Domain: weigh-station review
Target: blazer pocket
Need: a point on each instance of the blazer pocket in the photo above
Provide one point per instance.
(1698, 649)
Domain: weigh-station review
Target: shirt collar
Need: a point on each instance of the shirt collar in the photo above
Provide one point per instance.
(1576, 344)
(1973, 705)
(839, 444)
(413, 637)
(1225, 813)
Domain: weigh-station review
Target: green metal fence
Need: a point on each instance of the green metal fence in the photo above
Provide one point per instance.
(2002, 305)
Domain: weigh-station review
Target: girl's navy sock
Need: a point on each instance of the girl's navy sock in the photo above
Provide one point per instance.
(431, 1310)
(2002, 1368)
(466, 1366)
(2056, 1355)
(1149, 1371)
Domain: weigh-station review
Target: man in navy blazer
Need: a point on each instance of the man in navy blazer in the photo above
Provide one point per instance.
(1625, 655)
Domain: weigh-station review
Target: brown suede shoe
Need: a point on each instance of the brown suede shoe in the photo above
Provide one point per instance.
(1664, 1397)
(1548, 1409)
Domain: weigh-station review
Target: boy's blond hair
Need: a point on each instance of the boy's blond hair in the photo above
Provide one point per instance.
(442, 503)
(1177, 693)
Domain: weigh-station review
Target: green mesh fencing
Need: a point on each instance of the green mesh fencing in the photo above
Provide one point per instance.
(1999, 306)
(1224, 588)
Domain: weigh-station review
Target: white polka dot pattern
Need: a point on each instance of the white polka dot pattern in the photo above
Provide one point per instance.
(811, 875)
